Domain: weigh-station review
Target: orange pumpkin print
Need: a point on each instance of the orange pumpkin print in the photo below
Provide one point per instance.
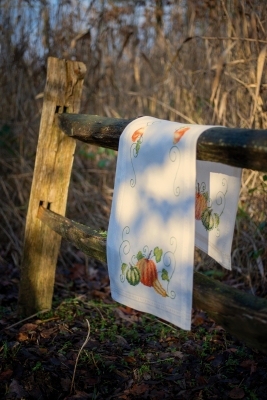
(137, 134)
(178, 134)
(201, 203)
(149, 275)
(148, 271)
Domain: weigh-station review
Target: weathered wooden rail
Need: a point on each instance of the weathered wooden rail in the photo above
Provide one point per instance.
(241, 314)
(245, 148)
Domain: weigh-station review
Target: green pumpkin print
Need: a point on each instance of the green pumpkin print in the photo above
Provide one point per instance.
(133, 275)
(204, 206)
(207, 219)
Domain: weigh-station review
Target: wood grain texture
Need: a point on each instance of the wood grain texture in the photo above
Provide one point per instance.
(50, 184)
(100, 131)
(244, 148)
(241, 314)
(83, 237)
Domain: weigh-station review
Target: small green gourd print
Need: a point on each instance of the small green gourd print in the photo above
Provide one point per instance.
(204, 206)
(133, 275)
(207, 219)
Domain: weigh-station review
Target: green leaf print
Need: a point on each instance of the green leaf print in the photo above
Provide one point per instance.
(138, 145)
(139, 255)
(216, 220)
(158, 254)
(165, 275)
(123, 268)
(206, 195)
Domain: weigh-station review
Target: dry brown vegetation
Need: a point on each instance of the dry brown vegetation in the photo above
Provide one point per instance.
(194, 61)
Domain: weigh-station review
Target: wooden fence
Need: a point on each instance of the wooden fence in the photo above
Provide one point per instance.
(243, 315)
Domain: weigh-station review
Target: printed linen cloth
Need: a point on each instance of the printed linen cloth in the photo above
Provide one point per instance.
(164, 203)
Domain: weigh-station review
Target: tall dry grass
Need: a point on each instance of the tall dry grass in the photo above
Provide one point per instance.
(189, 61)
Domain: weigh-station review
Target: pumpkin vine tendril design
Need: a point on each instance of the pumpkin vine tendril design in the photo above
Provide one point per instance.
(125, 248)
(146, 250)
(221, 196)
(175, 156)
(221, 200)
(137, 138)
(170, 261)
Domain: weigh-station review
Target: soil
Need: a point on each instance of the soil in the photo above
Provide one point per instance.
(128, 354)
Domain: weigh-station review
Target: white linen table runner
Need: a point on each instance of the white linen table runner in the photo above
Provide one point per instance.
(164, 203)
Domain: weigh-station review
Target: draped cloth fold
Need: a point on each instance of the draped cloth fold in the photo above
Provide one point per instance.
(164, 203)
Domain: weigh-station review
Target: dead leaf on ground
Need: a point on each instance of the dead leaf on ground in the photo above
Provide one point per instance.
(231, 350)
(178, 354)
(210, 358)
(146, 376)
(98, 294)
(139, 389)
(16, 388)
(46, 333)
(79, 396)
(149, 356)
(28, 327)
(171, 339)
(218, 341)
(122, 315)
(128, 310)
(157, 394)
(246, 363)
(43, 350)
(6, 375)
(78, 271)
(237, 393)
(91, 381)
(121, 341)
(120, 373)
(201, 380)
(198, 320)
(163, 356)
(129, 359)
(22, 336)
(65, 384)
(253, 368)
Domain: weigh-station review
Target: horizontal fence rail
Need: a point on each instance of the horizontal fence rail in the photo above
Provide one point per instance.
(244, 148)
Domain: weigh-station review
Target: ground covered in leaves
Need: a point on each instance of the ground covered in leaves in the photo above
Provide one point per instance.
(128, 355)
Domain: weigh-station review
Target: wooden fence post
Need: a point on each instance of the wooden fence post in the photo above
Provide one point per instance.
(50, 184)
